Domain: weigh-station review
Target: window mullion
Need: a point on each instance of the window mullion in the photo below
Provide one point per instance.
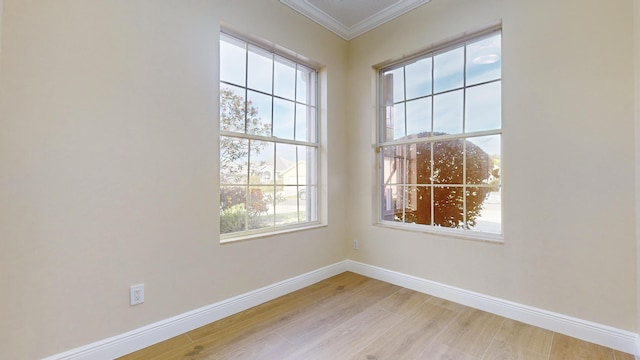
(405, 177)
(275, 182)
(464, 141)
(298, 184)
(433, 189)
(404, 104)
(274, 187)
(246, 87)
(295, 103)
(268, 139)
(440, 138)
(431, 147)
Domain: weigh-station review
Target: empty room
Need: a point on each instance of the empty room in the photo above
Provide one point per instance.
(319, 179)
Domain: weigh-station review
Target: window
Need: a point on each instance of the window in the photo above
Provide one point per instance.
(268, 141)
(440, 133)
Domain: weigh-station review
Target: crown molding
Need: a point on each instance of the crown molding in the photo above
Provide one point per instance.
(349, 32)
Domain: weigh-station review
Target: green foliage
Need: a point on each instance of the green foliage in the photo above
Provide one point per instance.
(232, 219)
(232, 195)
(237, 212)
(239, 116)
(257, 203)
(448, 169)
(235, 208)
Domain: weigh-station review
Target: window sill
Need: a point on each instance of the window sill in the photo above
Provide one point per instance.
(497, 239)
(229, 239)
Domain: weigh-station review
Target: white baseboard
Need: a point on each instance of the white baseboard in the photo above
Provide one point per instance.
(604, 335)
(152, 334)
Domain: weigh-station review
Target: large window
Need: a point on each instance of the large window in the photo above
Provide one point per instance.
(268, 141)
(440, 134)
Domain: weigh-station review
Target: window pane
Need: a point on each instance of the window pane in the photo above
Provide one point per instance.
(286, 206)
(395, 122)
(448, 207)
(308, 198)
(418, 78)
(419, 117)
(234, 160)
(258, 114)
(448, 70)
(305, 199)
(260, 207)
(284, 79)
(302, 193)
(484, 107)
(447, 113)
(286, 160)
(483, 160)
(484, 60)
(233, 215)
(293, 176)
(305, 121)
(287, 194)
(233, 60)
(260, 71)
(419, 163)
(306, 85)
(418, 209)
(393, 164)
(393, 203)
(484, 210)
(448, 162)
(307, 158)
(393, 86)
(232, 108)
(283, 118)
(262, 169)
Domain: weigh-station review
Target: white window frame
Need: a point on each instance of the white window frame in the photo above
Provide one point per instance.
(383, 143)
(311, 200)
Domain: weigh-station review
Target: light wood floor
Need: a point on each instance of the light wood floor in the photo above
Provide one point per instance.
(350, 316)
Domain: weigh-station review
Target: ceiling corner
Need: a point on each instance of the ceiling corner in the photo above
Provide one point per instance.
(351, 18)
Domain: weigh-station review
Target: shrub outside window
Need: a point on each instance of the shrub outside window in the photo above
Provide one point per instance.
(268, 141)
(440, 134)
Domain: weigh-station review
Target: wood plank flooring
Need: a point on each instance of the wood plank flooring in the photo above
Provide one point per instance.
(350, 316)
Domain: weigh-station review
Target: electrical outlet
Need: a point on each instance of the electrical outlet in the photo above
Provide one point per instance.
(355, 245)
(136, 294)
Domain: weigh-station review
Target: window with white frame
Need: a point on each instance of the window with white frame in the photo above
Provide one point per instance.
(268, 141)
(439, 138)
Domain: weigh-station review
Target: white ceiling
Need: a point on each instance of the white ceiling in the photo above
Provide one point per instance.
(350, 18)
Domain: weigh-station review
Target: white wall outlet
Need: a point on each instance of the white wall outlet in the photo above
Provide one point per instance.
(136, 294)
(355, 245)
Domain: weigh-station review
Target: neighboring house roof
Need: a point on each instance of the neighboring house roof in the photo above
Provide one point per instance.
(291, 170)
(281, 165)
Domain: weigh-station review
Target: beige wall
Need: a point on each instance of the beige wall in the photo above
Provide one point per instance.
(108, 173)
(568, 161)
(108, 166)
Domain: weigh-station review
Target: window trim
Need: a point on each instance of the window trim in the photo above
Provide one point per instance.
(431, 52)
(317, 207)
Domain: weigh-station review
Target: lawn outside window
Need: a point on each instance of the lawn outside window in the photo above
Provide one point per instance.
(439, 139)
(269, 145)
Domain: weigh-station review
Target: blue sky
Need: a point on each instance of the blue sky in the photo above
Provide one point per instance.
(453, 111)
